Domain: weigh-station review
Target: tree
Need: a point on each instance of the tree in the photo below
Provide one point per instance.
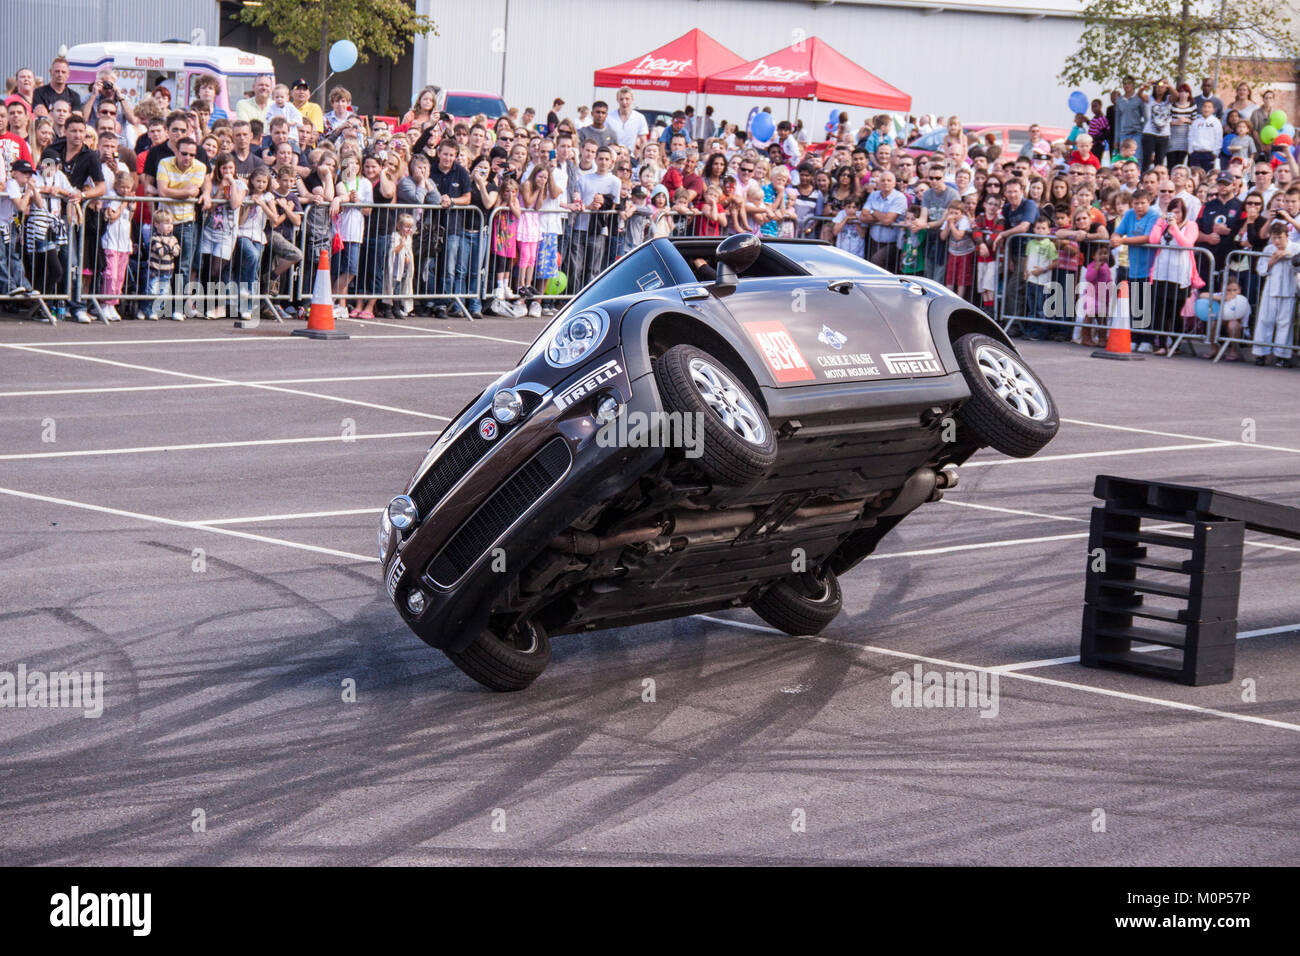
(381, 27)
(1148, 39)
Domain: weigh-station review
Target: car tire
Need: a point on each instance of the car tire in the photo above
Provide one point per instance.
(506, 663)
(788, 606)
(736, 449)
(1009, 409)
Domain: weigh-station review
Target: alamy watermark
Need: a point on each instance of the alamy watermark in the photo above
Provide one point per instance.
(634, 429)
(23, 689)
(950, 689)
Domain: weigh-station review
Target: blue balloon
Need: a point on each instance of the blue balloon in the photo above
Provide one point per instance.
(1078, 102)
(1203, 309)
(1288, 130)
(343, 56)
(834, 118)
(763, 127)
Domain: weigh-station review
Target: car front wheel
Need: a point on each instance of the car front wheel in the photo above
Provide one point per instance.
(1009, 409)
(736, 444)
(506, 661)
(803, 606)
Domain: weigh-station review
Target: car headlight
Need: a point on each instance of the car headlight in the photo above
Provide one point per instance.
(575, 337)
(385, 535)
(507, 405)
(402, 513)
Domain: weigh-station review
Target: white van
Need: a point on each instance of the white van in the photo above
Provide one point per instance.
(139, 67)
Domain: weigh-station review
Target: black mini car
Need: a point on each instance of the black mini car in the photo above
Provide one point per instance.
(683, 439)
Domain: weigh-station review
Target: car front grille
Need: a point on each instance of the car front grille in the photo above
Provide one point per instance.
(501, 510)
(465, 452)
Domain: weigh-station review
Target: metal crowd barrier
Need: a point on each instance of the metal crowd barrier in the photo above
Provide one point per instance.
(36, 271)
(1160, 323)
(1246, 274)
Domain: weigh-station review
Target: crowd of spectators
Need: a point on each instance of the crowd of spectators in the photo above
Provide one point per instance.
(1158, 189)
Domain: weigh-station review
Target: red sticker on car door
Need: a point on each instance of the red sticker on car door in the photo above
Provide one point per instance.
(779, 351)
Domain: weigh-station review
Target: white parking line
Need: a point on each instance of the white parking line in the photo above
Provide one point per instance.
(144, 449)
(227, 339)
(1138, 648)
(1151, 431)
(236, 383)
(1016, 675)
(459, 335)
(294, 516)
(189, 525)
(1010, 511)
(226, 381)
(1209, 443)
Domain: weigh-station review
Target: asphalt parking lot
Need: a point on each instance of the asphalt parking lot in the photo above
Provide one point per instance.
(201, 529)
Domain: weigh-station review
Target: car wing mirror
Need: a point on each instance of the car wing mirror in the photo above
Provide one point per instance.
(735, 254)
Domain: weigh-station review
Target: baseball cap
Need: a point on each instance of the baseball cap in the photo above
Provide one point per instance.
(20, 166)
(17, 98)
(677, 157)
(300, 84)
(1225, 178)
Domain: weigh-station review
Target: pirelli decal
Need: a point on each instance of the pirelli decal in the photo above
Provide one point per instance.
(911, 363)
(589, 384)
(394, 575)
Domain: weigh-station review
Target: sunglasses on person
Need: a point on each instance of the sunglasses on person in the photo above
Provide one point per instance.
(189, 155)
(1253, 202)
(746, 169)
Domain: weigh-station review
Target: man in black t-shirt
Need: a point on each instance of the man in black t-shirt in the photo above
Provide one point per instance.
(451, 179)
(1220, 220)
(57, 89)
(85, 172)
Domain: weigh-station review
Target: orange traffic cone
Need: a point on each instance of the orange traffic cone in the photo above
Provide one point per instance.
(1119, 343)
(320, 319)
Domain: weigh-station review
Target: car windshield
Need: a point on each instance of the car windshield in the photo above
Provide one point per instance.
(822, 260)
(930, 141)
(490, 106)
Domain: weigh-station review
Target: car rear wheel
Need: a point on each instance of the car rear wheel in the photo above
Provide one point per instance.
(737, 444)
(506, 662)
(1009, 410)
(804, 606)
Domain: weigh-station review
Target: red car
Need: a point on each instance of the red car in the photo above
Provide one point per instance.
(464, 105)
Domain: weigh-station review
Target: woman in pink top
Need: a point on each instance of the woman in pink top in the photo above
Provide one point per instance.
(1173, 273)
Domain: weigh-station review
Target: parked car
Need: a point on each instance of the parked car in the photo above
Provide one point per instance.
(464, 105)
(1010, 137)
(708, 424)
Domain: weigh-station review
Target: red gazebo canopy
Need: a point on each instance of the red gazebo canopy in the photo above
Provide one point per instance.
(679, 66)
(807, 69)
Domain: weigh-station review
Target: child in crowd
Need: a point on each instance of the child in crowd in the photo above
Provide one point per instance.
(340, 109)
(531, 196)
(116, 243)
(635, 218)
(987, 226)
(285, 253)
(280, 106)
(911, 243)
(661, 215)
(1277, 299)
(1040, 258)
(164, 250)
(350, 226)
(712, 214)
(399, 268)
(1096, 297)
(959, 271)
(217, 241)
(1068, 260)
(1234, 313)
(847, 230)
(1123, 203)
(505, 239)
(46, 232)
(255, 215)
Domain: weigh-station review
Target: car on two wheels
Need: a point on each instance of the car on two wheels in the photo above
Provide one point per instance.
(709, 424)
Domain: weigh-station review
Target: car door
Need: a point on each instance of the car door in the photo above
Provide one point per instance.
(811, 330)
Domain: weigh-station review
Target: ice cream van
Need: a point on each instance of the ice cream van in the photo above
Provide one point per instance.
(139, 67)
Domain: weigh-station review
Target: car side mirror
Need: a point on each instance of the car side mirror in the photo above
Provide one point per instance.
(735, 254)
